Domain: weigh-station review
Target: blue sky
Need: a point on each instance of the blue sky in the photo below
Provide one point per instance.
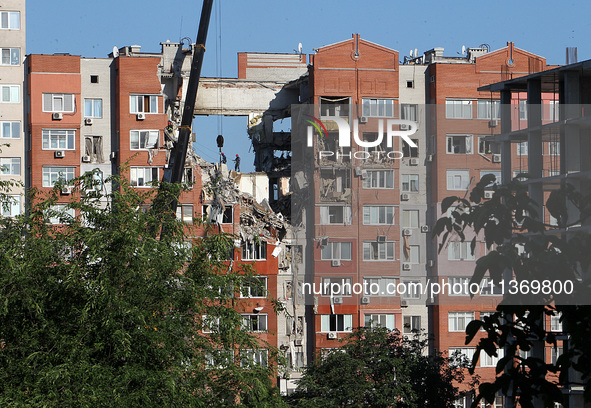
(91, 29)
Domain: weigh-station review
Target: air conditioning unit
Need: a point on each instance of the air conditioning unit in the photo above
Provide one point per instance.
(358, 171)
(430, 158)
(141, 116)
(335, 262)
(67, 190)
(488, 194)
(404, 196)
(58, 154)
(406, 266)
(363, 119)
(85, 159)
(407, 232)
(363, 174)
(431, 301)
(337, 300)
(403, 303)
(297, 342)
(88, 121)
(57, 116)
(493, 123)
(496, 158)
(424, 228)
(365, 300)
(382, 238)
(414, 161)
(113, 155)
(332, 336)
(430, 263)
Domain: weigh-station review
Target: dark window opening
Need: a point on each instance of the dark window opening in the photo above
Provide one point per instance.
(94, 79)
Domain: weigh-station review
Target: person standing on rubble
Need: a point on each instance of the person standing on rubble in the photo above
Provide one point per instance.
(237, 165)
(224, 160)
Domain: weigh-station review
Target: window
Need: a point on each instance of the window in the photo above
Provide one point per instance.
(551, 111)
(412, 289)
(143, 104)
(10, 130)
(458, 109)
(10, 93)
(485, 146)
(188, 178)
(144, 139)
(10, 166)
(210, 324)
(336, 286)
(554, 148)
(414, 254)
(58, 139)
(52, 174)
(254, 287)
(379, 179)
(143, 176)
(94, 79)
(490, 361)
(219, 358)
(379, 286)
(93, 148)
(251, 358)
(377, 107)
(10, 20)
(228, 215)
(408, 112)
(459, 251)
(488, 109)
(10, 56)
(335, 214)
(410, 84)
(464, 353)
(93, 108)
(58, 102)
(555, 323)
(496, 173)
(458, 179)
(410, 182)
(60, 214)
(385, 320)
(488, 288)
(254, 251)
(336, 251)
(408, 151)
(410, 218)
(458, 321)
(458, 286)
(522, 149)
(184, 212)
(378, 215)
(411, 324)
(460, 402)
(378, 251)
(336, 323)
(555, 352)
(11, 207)
(459, 144)
(523, 110)
(254, 322)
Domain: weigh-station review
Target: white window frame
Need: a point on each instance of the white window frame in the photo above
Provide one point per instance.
(139, 99)
(488, 109)
(184, 213)
(13, 93)
(379, 179)
(496, 173)
(411, 324)
(149, 175)
(92, 104)
(483, 144)
(378, 107)
(467, 352)
(64, 212)
(379, 214)
(8, 129)
(344, 286)
(386, 251)
(463, 283)
(8, 20)
(254, 357)
(255, 322)
(554, 148)
(453, 176)
(343, 323)
(254, 251)
(468, 143)
(10, 166)
(377, 320)
(410, 183)
(386, 284)
(409, 217)
(11, 207)
(413, 289)
(52, 98)
(555, 323)
(523, 110)
(219, 358)
(408, 111)
(14, 54)
(336, 252)
(254, 290)
(414, 255)
(459, 108)
(459, 251)
(458, 321)
(63, 173)
(329, 215)
(522, 148)
(143, 139)
(52, 139)
(491, 361)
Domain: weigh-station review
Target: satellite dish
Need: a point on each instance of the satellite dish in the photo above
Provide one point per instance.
(410, 53)
(416, 52)
(115, 51)
(300, 48)
(463, 49)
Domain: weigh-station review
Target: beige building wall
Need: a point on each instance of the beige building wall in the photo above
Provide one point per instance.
(12, 93)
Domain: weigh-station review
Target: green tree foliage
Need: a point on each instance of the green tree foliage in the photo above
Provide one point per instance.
(378, 368)
(98, 312)
(543, 267)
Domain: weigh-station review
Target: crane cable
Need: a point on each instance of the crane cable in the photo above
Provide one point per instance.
(218, 62)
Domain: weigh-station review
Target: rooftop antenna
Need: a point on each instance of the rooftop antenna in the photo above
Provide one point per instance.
(416, 52)
(463, 49)
(410, 53)
(299, 48)
(115, 51)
